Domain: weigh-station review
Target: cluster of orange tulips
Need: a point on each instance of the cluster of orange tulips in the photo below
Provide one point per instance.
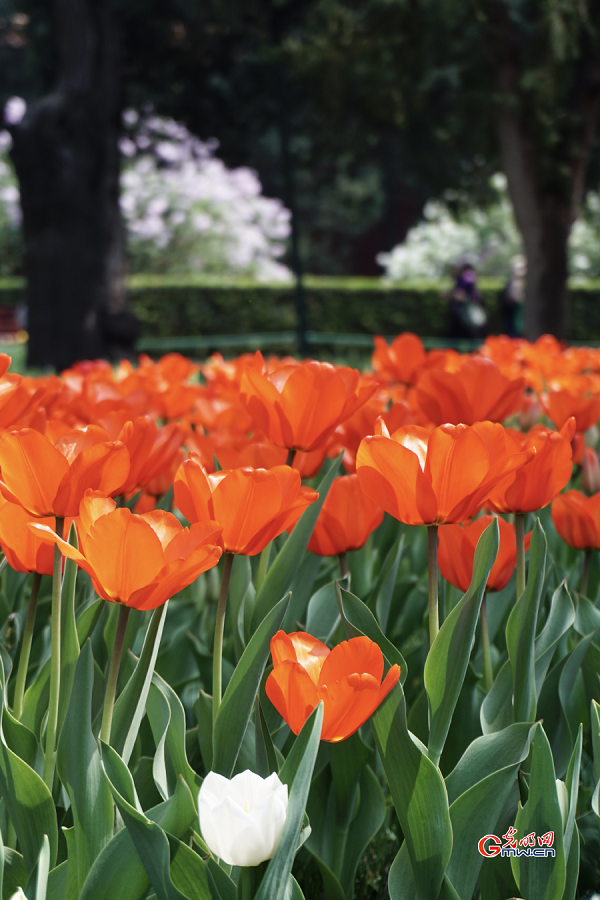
(422, 439)
(146, 477)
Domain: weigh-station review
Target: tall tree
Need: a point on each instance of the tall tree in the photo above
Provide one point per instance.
(65, 152)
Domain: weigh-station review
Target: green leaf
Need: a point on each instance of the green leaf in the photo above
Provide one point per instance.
(118, 871)
(69, 642)
(203, 712)
(338, 845)
(238, 700)
(298, 769)
(560, 618)
(131, 704)
(188, 871)
(448, 658)
(416, 786)
(323, 615)
(595, 721)
(401, 882)
(266, 756)
(361, 621)
(152, 846)
(541, 878)
(572, 784)
(221, 885)
(38, 880)
(167, 721)
(520, 631)
(280, 574)
(15, 873)
(301, 588)
(474, 814)
(88, 619)
(28, 801)
(80, 770)
(381, 595)
(488, 754)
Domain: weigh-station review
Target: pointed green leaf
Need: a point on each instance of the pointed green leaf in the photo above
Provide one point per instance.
(238, 700)
(69, 642)
(488, 754)
(28, 801)
(131, 704)
(80, 770)
(37, 882)
(541, 878)
(381, 595)
(448, 658)
(416, 785)
(167, 721)
(520, 631)
(301, 759)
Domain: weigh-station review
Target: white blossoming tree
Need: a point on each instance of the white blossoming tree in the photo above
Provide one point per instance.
(487, 238)
(185, 212)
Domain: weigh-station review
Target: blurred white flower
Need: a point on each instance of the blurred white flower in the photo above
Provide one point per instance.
(14, 110)
(214, 219)
(242, 818)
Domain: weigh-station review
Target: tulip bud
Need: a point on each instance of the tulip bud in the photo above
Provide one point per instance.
(19, 895)
(242, 818)
(590, 477)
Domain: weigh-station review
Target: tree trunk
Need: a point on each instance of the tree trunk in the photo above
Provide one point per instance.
(544, 215)
(66, 156)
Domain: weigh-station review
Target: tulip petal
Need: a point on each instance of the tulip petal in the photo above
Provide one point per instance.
(292, 692)
(32, 470)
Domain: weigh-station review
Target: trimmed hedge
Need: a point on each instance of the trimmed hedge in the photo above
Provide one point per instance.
(173, 307)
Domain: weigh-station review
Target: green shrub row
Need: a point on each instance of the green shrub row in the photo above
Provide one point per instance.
(169, 307)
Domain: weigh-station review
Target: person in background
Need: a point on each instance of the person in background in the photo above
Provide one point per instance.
(512, 297)
(467, 315)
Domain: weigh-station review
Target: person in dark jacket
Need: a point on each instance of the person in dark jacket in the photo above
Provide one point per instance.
(467, 316)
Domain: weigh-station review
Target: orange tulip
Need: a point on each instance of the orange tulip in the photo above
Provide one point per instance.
(542, 478)
(252, 505)
(300, 406)
(50, 479)
(427, 478)
(24, 550)
(151, 450)
(401, 360)
(139, 561)
(577, 519)
(477, 392)
(347, 679)
(456, 553)
(562, 404)
(346, 520)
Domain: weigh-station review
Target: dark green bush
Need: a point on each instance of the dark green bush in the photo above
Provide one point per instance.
(184, 307)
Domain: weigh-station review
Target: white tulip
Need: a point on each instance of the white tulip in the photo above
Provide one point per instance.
(242, 818)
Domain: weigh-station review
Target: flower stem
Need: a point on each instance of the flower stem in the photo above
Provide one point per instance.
(586, 572)
(219, 628)
(432, 566)
(55, 660)
(520, 533)
(26, 646)
(113, 674)
(343, 563)
(485, 646)
(291, 457)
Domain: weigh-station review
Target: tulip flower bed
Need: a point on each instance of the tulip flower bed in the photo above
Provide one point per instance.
(278, 629)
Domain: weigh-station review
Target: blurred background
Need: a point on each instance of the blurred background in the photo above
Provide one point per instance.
(295, 175)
